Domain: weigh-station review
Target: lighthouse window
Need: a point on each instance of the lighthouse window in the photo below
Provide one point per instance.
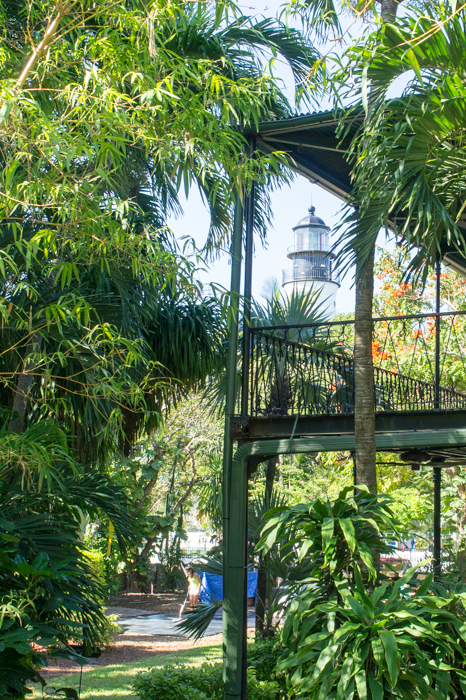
(311, 239)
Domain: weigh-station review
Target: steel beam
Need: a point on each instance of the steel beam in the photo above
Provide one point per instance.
(437, 474)
(437, 368)
(260, 450)
(248, 259)
(251, 428)
(235, 251)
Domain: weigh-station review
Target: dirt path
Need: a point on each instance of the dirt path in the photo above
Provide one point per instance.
(167, 603)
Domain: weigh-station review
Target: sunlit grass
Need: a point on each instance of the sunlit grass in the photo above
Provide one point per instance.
(115, 681)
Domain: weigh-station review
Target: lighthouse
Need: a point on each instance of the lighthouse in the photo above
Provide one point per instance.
(313, 265)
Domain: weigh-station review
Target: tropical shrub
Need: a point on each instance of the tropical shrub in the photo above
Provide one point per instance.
(329, 537)
(377, 644)
(204, 682)
(51, 599)
(346, 633)
(263, 658)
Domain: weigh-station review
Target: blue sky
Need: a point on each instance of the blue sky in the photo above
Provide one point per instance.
(289, 205)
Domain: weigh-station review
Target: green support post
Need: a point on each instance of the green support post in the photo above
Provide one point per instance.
(235, 600)
(228, 604)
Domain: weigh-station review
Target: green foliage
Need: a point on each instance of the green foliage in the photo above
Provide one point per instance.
(108, 631)
(166, 481)
(346, 634)
(378, 644)
(332, 536)
(50, 592)
(201, 683)
(304, 477)
(120, 109)
(195, 621)
(409, 155)
(263, 657)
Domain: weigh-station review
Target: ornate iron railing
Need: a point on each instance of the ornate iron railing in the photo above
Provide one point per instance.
(310, 369)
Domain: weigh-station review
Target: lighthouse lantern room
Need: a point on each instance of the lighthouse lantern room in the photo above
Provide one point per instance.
(313, 263)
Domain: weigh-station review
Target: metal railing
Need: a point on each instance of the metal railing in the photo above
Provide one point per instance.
(311, 267)
(309, 369)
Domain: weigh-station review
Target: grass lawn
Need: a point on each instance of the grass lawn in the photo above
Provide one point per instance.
(115, 681)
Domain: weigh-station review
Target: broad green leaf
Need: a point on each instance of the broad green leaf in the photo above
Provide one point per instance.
(391, 655)
(348, 532)
(345, 678)
(356, 607)
(327, 532)
(376, 687)
(377, 650)
(361, 684)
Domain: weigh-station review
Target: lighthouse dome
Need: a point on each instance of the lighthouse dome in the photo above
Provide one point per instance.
(310, 220)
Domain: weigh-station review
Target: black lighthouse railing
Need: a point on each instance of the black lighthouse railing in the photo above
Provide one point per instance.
(419, 364)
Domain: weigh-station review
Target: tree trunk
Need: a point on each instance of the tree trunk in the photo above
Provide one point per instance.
(23, 387)
(388, 9)
(364, 408)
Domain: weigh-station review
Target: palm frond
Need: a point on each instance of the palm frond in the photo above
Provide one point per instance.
(409, 155)
(195, 622)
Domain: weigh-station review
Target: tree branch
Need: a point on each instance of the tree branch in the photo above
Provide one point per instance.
(190, 487)
(61, 9)
(147, 489)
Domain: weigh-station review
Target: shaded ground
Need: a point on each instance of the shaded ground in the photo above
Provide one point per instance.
(130, 648)
(167, 603)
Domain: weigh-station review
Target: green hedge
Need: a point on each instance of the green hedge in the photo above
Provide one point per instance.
(204, 682)
(263, 657)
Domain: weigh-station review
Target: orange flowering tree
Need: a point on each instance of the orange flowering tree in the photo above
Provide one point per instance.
(407, 346)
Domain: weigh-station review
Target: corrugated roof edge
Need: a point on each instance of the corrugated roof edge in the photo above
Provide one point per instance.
(300, 120)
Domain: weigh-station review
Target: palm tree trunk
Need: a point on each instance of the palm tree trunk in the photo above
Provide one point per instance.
(388, 9)
(364, 406)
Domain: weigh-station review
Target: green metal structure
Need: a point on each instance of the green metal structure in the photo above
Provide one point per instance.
(421, 421)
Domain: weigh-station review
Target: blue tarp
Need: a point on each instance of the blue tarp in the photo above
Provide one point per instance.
(212, 586)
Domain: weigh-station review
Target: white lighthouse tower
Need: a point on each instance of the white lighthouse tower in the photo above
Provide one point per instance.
(313, 264)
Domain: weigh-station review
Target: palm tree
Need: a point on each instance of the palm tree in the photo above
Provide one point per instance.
(322, 15)
(50, 593)
(410, 163)
(416, 145)
(364, 403)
